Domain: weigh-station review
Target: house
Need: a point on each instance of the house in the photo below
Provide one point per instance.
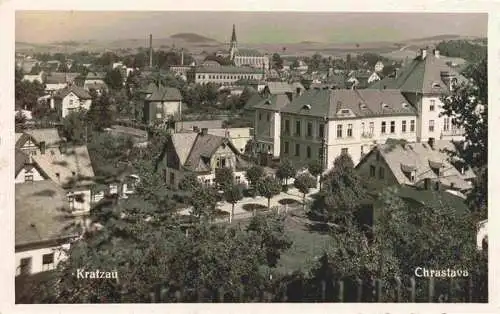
(95, 81)
(320, 124)
(181, 70)
(42, 226)
(374, 77)
(26, 170)
(161, 102)
(223, 75)
(196, 126)
(58, 80)
(40, 77)
(416, 164)
(35, 141)
(239, 137)
(423, 82)
(201, 153)
(379, 67)
(71, 99)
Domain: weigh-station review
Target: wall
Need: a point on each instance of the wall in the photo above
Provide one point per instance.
(427, 115)
(87, 200)
(223, 78)
(36, 175)
(364, 170)
(37, 255)
(276, 132)
(255, 62)
(361, 142)
(264, 129)
(65, 106)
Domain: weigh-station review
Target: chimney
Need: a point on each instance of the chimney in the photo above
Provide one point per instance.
(182, 56)
(42, 148)
(204, 131)
(431, 142)
(150, 50)
(424, 54)
(436, 53)
(427, 184)
(196, 129)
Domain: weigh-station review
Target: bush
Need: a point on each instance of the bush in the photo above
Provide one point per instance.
(284, 188)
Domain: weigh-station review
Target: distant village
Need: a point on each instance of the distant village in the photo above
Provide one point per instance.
(234, 109)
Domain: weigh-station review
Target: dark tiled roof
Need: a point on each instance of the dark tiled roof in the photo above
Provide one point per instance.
(279, 87)
(203, 148)
(273, 102)
(39, 212)
(78, 91)
(20, 160)
(61, 77)
(248, 53)
(164, 94)
(362, 103)
(420, 76)
(228, 69)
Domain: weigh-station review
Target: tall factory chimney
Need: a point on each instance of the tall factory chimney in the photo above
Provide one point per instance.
(182, 56)
(150, 50)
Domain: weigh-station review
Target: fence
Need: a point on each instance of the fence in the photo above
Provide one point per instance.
(412, 290)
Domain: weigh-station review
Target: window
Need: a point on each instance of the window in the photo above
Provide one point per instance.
(339, 130)
(158, 115)
(25, 267)
(297, 128)
(446, 124)
(287, 127)
(285, 147)
(309, 129)
(28, 176)
(71, 200)
(308, 152)
(71, 102)
(383, 128)
(372, 171)
(403, 126)
(48, 261)
(297, 149)
(321, 131)
(372, 127)
(349, 130)
(381, 173)
(344, 151)
(172, 178)
(260, 116)
(431, 125)
(393, 126)
(268, 117)
(412, 126)
(238, 179)
(432, 105)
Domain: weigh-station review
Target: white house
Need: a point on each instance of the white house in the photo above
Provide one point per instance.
(201, 153)
(35, 77)
(379, 66)
(70, 99)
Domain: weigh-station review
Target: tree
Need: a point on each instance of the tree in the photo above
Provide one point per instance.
(270, 230)
(110, 154)
(224, 178)
(295, 64)
(316, 170)
(20, 120)
(269, 187)
(189, 183)
(286, 170)
(27, 93)
(468, 107)
(101, 113)
(233, 195)
(74, 128)
(304, 183)
(343, 191)
(204, 202)
(114, 79)
(254, 174)
(277, 61)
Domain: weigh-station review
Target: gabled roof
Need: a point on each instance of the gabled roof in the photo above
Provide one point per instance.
(248, 53)
(274, 102)
(40, 213)
(49, 136)
(96, 86)
(420, 76)
(74, 166)
(61, 77)
(362, 103)
(78, 91)
(183, 142)
(276, 88)
(421, 158)
(161, 93)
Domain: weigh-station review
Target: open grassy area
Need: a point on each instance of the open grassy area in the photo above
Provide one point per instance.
(308, 245)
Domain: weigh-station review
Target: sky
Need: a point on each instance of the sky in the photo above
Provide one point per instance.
(251, 27)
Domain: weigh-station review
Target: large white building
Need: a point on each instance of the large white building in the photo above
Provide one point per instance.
(322, 123)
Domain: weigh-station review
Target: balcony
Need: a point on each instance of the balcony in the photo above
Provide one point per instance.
(453, 132)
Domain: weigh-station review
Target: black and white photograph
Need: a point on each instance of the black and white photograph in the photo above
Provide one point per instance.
(168, 156)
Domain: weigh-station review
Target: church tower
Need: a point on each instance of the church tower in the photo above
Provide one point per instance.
(234, 43)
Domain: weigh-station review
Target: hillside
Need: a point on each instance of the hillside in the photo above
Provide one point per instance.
(192, 38)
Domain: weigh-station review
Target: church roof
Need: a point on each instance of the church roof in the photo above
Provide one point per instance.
(233, 35)
(248, 53)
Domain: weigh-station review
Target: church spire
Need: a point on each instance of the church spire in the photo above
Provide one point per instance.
(233, 36)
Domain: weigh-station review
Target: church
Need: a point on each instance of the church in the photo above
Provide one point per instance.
(246, 57)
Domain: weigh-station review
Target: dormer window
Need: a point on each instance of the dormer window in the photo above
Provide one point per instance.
(362, 106)
(404, 105)
(436, 85)
(409, 171)
(268, 102)
(344, 111)
(436, 167)
(306, 107)
(385, 106)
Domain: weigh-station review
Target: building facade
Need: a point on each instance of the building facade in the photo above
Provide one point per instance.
(71, 99)
(161, 102)
(223, 75)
